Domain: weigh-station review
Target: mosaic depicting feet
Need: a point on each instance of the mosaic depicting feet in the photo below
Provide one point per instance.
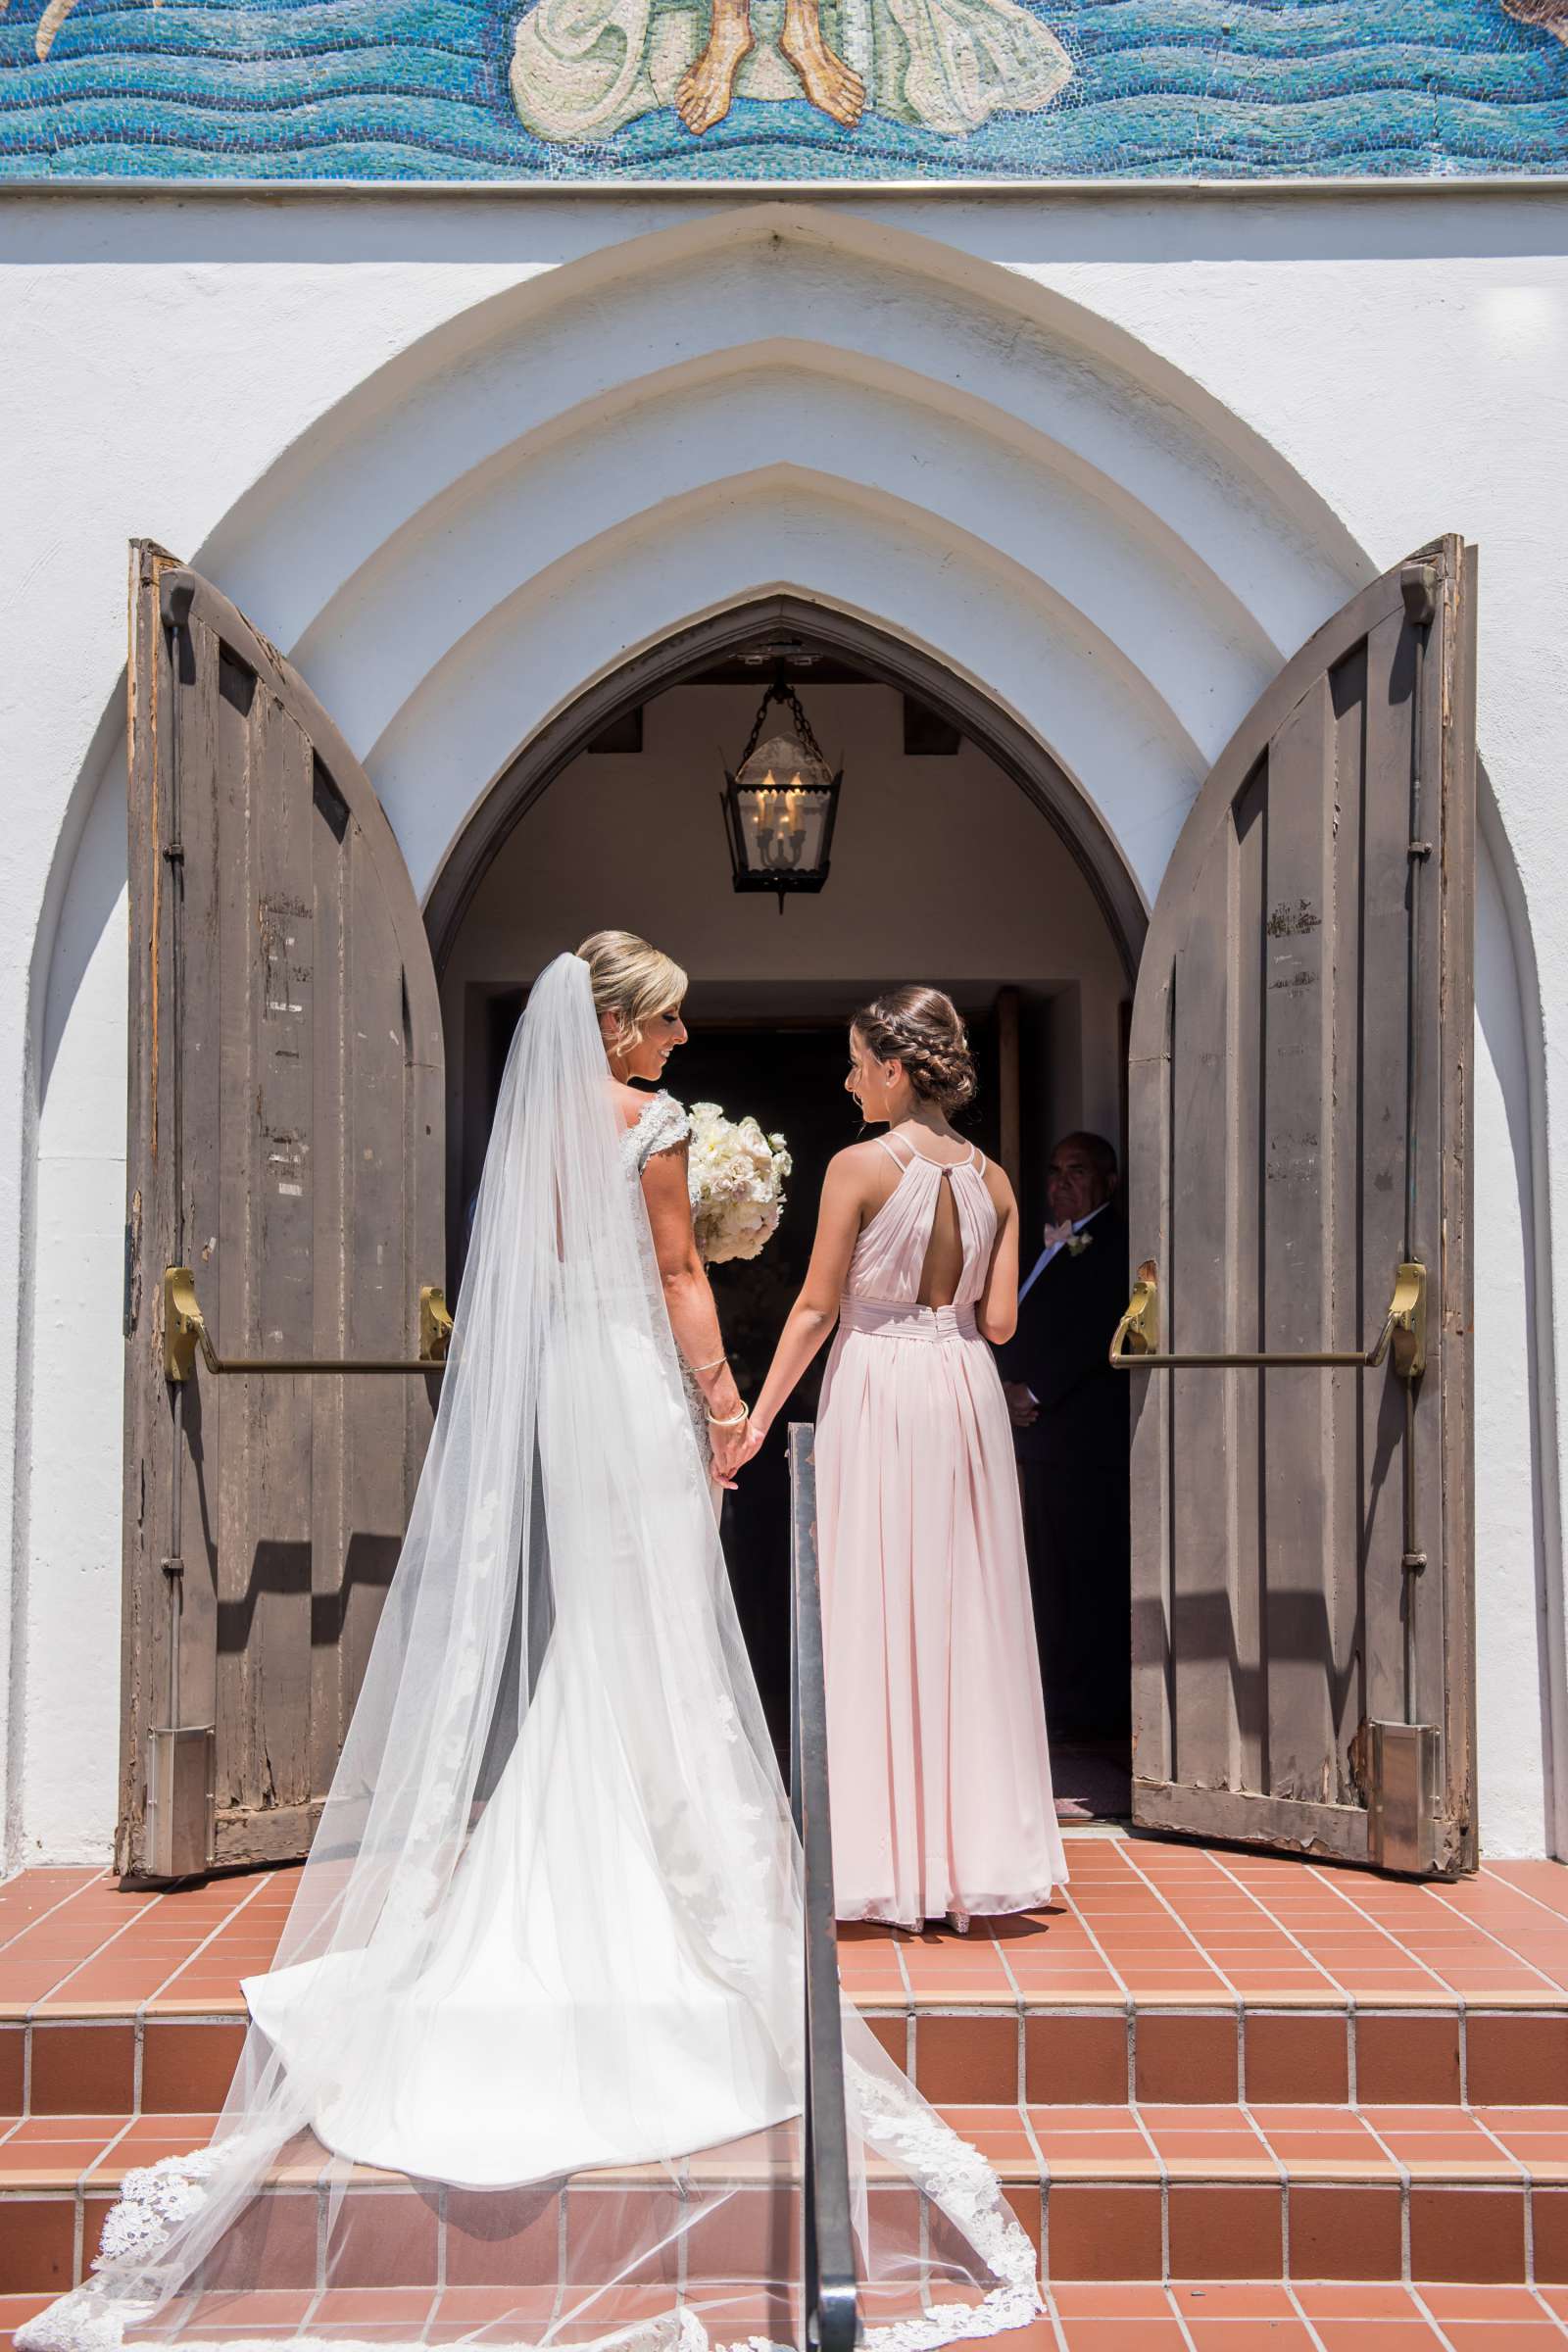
(831, 85)
(706, 92)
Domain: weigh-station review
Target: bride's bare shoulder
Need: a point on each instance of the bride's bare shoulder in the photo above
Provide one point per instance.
(630, 1101)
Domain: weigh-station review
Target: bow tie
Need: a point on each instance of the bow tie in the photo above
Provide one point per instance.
(1056, 1235)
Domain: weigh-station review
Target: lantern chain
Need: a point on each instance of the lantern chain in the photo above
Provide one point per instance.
(781, 691)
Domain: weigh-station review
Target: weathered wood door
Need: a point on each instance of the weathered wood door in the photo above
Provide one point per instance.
(1303, 1651)
(286, 1142)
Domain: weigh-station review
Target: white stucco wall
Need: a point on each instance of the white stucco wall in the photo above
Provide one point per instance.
(1111, 455)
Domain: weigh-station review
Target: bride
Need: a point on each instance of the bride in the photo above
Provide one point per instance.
(530, 2061)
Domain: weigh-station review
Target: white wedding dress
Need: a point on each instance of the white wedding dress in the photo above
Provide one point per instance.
(491, 2074)
(545, 1957)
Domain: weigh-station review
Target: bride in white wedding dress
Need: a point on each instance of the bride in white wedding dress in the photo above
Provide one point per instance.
(530, 2060)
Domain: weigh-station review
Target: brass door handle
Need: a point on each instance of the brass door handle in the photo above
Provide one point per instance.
(1135, 1346)
(185, 1331)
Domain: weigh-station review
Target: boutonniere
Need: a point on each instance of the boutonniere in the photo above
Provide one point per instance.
(1079, 1244)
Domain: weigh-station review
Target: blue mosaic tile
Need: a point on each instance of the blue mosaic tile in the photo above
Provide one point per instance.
(568, 91)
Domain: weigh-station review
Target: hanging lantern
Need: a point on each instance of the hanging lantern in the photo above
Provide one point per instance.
(780, 803)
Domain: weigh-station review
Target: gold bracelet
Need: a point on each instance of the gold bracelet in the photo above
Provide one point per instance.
(713, 1367)
(734, 1421)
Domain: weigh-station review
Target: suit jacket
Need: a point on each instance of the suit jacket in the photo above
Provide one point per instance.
(1062, 1350)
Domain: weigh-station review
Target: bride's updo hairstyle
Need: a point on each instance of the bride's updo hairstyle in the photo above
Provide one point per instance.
(631, 980)
(922, 1029)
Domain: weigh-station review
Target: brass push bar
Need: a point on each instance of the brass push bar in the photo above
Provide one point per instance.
(186, 1330)
(1136, 1345)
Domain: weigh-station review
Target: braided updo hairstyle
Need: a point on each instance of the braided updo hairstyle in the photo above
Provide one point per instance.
(922, 1029)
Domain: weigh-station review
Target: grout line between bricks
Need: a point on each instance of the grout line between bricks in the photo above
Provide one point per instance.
(1529, 2183)
(1557, 2320)
(1163, 2171)
(1288, 1934)
(1166, 1904)
(1430, 2316)
(1558, 1983)
(1018, 2003)
(1464, 2056)
(1178, 2315)
(98, 1880)
(1490, 1870)
(1330, 1885)
(1295, 2304)
(261, 1882)
(1477, 1929)
(1043, 2172)
(911, 2047)
(80, 2192)
(1501, 2146)
(1403, 2171)
(142, 1912)
(1054, 2317)
(1129, 2005)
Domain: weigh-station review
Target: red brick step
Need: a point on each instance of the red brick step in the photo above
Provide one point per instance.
(1151, 2193)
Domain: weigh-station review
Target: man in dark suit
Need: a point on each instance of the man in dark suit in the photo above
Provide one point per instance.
(1070, 1430)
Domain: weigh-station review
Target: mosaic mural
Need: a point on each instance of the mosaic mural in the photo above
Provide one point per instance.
(768, 90)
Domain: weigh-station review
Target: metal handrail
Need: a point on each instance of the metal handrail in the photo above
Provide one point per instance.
(1135, 1342)
(185, 1331)
(832, 2292)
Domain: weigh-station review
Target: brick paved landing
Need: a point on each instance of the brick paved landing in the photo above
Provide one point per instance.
(1158, 1923)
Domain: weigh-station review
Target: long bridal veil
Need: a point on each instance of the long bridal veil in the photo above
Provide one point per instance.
(529, 2067)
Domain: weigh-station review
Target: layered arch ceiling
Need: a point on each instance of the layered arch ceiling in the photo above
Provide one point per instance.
(573, 468)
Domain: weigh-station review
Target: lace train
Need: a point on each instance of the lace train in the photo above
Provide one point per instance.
(156, 2197)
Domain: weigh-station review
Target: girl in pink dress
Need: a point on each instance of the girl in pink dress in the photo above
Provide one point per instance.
(941, 1773)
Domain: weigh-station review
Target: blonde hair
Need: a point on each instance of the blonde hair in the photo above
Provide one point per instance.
(631, 980)
(922, 1029)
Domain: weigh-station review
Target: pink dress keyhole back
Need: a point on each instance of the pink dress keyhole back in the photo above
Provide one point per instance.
(941, 1772)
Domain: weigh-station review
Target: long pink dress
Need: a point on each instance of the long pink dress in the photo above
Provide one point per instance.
(941, 1773)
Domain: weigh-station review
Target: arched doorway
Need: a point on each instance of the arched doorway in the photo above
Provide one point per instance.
(965, 854)
(1339, 823)
(701, 645)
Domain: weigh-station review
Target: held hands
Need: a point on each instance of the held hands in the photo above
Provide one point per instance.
(755, 1433)
(1022, 1409)
(729, 1448)
(732, 1449)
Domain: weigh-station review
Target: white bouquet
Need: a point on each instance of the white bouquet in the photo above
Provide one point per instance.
(737, 1184)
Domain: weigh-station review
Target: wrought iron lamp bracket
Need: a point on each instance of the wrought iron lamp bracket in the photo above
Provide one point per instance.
(186, 1332)
(1135, 1345)
(781, 691)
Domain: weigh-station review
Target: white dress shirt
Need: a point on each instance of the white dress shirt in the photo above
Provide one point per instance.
(1049, 1251)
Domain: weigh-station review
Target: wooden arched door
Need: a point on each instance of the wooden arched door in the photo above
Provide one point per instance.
(285, 1146)
(1300, 1096)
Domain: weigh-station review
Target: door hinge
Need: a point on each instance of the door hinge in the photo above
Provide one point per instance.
(1418, 585)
